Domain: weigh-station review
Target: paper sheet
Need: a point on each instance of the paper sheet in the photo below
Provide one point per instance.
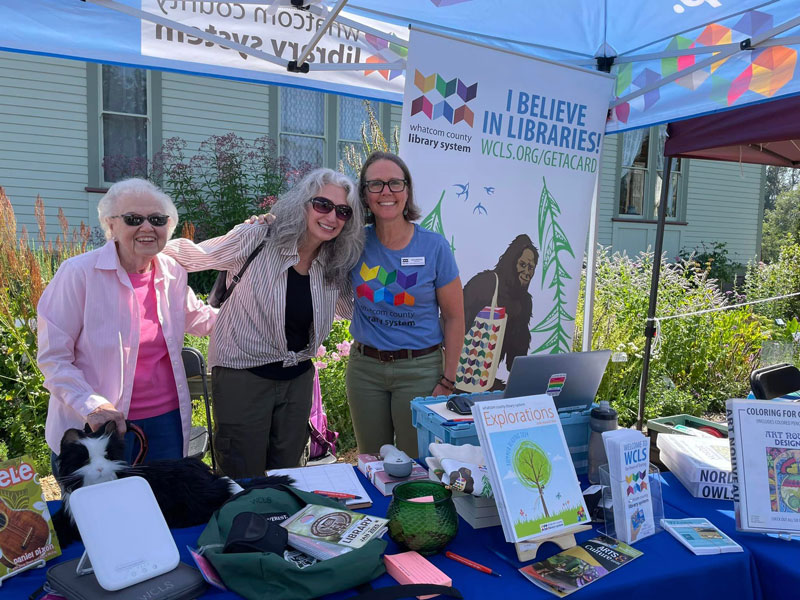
(336, 477)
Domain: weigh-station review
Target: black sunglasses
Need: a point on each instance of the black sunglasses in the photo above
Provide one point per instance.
(376, 185)
(324, 206)
(134, 220)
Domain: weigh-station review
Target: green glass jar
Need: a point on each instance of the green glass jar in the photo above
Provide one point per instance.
(426, 526)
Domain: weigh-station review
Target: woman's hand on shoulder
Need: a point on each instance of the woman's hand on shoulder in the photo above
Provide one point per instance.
(262, 219)
(104, 413)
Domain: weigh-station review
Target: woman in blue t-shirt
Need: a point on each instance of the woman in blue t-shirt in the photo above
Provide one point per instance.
(406, 277)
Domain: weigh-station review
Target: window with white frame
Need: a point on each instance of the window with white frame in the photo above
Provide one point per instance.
(125, 132)
(641, 168)
(316, 128)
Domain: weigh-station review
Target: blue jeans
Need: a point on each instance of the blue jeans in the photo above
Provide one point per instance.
(164, 439)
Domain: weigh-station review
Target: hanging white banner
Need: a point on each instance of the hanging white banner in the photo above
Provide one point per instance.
(505, 151)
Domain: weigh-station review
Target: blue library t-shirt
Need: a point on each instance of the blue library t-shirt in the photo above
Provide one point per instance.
(395, 291)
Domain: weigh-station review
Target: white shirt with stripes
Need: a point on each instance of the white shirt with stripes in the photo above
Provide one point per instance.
(251, 326)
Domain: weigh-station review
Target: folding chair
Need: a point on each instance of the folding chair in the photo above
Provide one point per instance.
(775, 381)
(200, 438)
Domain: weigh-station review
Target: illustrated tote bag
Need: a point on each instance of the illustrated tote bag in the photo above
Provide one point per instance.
(480, 356)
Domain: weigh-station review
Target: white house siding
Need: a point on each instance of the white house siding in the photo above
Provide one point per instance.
(724, 204)
(43, 146)
(607, 193)
(195, 108)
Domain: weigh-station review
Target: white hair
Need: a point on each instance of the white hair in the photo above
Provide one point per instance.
(107, 206)
(341, 253)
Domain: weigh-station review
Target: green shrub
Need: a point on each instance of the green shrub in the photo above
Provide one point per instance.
(697, 362)
(713, 258)
(331, 364)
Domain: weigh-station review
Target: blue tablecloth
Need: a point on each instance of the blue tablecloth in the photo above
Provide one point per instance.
(776, 559)
(666, 570)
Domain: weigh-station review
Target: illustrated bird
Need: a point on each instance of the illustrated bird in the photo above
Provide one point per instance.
(463, 190)
(489, 190)
(480, 209)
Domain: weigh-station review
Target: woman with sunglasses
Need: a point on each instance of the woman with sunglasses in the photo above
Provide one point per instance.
(111, 325)
(405, 280)
(279, 313)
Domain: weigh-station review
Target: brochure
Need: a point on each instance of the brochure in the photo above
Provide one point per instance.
(765, 452)
(580, 565)
(700, 536)
(530, 468)
(628, 453)
(26, 530)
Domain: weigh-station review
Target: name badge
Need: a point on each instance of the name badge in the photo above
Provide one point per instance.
(412, 261)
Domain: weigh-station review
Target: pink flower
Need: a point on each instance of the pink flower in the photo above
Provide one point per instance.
(321, 351)
(321, 365)
(335, 356)
(344, 348)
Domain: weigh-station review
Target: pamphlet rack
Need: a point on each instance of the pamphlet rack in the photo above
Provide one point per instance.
(607, 501)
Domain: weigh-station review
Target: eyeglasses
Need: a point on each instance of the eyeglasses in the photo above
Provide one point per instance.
(376, 185)
(134, 220)
(324, 206)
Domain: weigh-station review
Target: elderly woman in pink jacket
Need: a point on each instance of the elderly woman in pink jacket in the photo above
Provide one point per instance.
(111, 326)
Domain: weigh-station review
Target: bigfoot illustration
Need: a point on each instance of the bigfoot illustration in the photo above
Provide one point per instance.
(514, 271)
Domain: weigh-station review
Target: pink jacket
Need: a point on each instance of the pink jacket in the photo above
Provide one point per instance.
(88, 326)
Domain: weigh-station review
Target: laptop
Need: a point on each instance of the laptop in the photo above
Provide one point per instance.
(571, 379)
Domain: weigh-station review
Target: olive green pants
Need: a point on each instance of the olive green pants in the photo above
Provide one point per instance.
(380, 395)
(260, 423)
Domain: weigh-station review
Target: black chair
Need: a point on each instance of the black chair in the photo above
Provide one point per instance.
(775, 381)
(200, 438)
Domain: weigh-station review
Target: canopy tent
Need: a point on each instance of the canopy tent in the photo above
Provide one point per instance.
(672, 58)
(766, 134)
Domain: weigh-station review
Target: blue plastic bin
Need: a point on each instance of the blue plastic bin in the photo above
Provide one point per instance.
(430, 429)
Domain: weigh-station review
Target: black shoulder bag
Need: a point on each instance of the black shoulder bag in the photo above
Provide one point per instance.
(220, 290)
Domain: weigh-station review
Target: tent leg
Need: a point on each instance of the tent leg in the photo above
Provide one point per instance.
(650, 329)
(591, 265)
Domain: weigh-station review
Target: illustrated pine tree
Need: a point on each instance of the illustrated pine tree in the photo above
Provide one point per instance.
(552, 242)
(433, 222)
(533, 468)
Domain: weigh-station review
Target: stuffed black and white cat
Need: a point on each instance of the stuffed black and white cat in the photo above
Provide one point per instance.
(187, 491)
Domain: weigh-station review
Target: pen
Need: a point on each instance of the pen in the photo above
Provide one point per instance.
(340, 495)
(470, 563)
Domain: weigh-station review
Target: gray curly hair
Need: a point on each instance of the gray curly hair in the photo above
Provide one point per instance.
(134, 186)
(339, 254)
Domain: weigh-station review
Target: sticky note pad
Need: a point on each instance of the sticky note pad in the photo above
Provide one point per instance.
(412, 567)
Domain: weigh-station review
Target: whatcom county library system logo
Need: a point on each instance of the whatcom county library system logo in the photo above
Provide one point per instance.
(377, 281)
(450, 92)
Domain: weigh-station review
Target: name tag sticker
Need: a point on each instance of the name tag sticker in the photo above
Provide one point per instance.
(412, 261)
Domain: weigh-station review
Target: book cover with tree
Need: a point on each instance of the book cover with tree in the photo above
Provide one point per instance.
(530, 466)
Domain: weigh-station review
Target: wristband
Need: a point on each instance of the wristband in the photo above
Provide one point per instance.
(450, 381)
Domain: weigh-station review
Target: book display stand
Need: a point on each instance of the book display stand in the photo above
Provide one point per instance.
(38, 563)
(607, 501)
(564, 539)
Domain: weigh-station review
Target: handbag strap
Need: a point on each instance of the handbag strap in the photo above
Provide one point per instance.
(143, 446)
(393, 592)
(236, 278)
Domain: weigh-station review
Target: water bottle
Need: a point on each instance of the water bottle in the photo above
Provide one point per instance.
(602, 418)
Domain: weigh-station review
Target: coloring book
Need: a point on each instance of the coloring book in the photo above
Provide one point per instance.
(765, 461)
(530, 468)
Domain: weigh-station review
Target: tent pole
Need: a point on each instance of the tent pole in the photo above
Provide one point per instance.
(650, 329)
(312, 43)
(591, 265)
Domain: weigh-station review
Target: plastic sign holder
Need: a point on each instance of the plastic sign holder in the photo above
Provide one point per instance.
(563, 539)
(126, 537)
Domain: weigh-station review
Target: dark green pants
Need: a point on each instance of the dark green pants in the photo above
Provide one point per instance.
(260, 423)
(380, 395)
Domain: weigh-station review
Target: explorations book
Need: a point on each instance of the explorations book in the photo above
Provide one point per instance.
(765, 463)
(530, 468)
(26, 530)
(580, 565)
